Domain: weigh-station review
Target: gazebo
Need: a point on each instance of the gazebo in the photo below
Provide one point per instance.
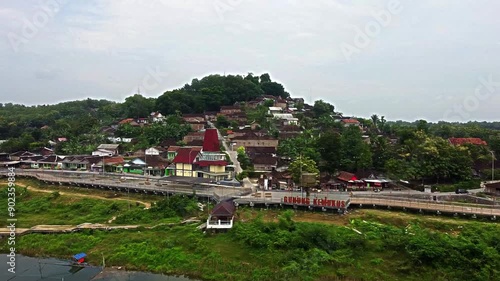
(222, 216)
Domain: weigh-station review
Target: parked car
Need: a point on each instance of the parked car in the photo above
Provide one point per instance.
(461, 191)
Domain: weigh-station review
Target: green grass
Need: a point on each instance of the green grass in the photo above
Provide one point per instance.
(305, 251)
(36, 208)
(265, 244)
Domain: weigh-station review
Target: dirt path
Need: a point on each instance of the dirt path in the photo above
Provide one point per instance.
(146, 204)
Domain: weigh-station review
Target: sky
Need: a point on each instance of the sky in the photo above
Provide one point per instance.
(405, 60)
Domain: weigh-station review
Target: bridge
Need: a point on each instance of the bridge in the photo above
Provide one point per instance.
(333, 201)
(120, 183)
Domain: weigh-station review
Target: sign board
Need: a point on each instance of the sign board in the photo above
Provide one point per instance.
(315, 202)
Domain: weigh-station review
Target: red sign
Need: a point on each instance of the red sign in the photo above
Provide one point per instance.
(320, 202)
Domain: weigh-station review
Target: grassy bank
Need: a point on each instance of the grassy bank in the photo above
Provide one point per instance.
(35, 208)
(291, 250)
(264, 244)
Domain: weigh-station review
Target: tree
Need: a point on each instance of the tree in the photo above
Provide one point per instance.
(304, 144)
(381, 152)
(321, 107)
(222, 122)
(329, 147)
(274, 89)
(375, 121)
(302, 165)
(245, 162)
(137, 106)
(264, 78)
(355, 153)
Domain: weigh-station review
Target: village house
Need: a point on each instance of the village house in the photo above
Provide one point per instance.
(254, 151)
(195, 143)
(135, 166)
(156, 117)
(196, 121)
(194, 118)
(212, 161)
(130, 121)
(240, 117)
(50, 162)
(109, 164)
(107, 150)
(19, 155)
(32, 162)
(289, 131)
(191, 136)
(273, 110)
(222, 216)
(184, 161)
(276, 180)
(241, 132)
(172, 152)
(264, 163)
(228, 110)
(80, 163)
(155, 165)
(251, 139)
(197, 126)
(152, 151)
(286, 119)
(205, 162)
(350, 180)
(492, 188)
(44, 151)
(279, 102)
(350, 122)
(462, 141)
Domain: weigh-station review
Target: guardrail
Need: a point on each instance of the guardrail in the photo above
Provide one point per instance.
(429, 206)
(137, 185)
(412, 199)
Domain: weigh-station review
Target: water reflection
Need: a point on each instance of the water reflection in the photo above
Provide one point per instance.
(33, 269)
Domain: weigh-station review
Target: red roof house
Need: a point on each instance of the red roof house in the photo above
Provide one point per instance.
(461, 141)
(186, 155)
(347, 177)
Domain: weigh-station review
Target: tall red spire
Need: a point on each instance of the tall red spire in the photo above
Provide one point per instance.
(211, 141)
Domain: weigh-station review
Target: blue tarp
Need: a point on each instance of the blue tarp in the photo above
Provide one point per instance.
(79, 256)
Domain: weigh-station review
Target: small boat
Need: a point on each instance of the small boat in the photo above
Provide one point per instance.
(79, 258)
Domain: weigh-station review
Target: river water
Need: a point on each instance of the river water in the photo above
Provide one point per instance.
(49, 269)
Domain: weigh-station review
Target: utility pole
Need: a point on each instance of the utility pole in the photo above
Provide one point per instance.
(301, 182)
(492, 165)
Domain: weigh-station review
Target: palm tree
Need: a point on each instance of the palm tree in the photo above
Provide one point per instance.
(375, 121)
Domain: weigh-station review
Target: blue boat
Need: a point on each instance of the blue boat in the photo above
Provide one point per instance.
(79, 258)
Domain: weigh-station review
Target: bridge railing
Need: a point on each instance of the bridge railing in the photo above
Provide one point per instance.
(494, 204)
(432, 206)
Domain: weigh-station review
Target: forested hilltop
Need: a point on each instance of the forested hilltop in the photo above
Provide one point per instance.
(31, 127)
(417, 150)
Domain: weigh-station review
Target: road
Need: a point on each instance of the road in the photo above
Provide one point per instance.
(232, 154)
